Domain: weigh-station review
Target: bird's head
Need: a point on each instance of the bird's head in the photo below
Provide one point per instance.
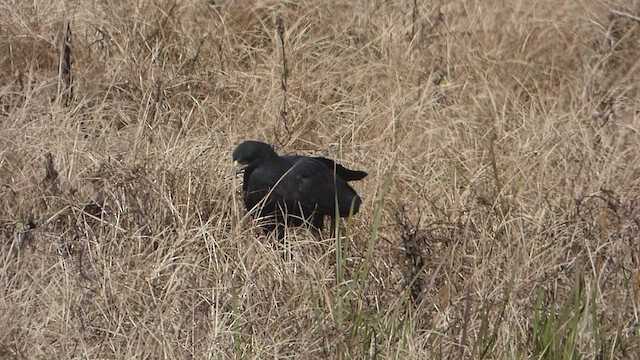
(250, 154)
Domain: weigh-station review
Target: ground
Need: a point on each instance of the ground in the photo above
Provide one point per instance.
(500, 217)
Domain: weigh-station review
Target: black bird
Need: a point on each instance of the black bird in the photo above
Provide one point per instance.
(294, 189)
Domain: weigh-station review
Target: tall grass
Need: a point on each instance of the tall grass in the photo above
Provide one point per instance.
(499, 219)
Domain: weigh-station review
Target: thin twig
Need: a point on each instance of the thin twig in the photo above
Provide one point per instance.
(414, 17)
(285, 73)
(66, 85)
(624, 14)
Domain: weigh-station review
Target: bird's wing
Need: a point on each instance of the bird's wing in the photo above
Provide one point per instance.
(341, 171)
(312, 185)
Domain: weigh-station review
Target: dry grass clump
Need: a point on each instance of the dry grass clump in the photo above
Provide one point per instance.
(500, 216)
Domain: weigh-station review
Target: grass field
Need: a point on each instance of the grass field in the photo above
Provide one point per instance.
(500, 217)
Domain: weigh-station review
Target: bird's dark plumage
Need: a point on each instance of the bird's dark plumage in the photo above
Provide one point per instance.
(296, 188)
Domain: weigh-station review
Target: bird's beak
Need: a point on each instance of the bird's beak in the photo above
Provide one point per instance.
(239, 167)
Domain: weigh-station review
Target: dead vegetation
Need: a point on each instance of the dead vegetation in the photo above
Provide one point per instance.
(500, 216)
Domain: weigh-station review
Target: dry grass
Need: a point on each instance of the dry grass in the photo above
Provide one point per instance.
(500, 220)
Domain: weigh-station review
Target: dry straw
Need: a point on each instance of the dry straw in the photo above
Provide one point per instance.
(499, 220)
